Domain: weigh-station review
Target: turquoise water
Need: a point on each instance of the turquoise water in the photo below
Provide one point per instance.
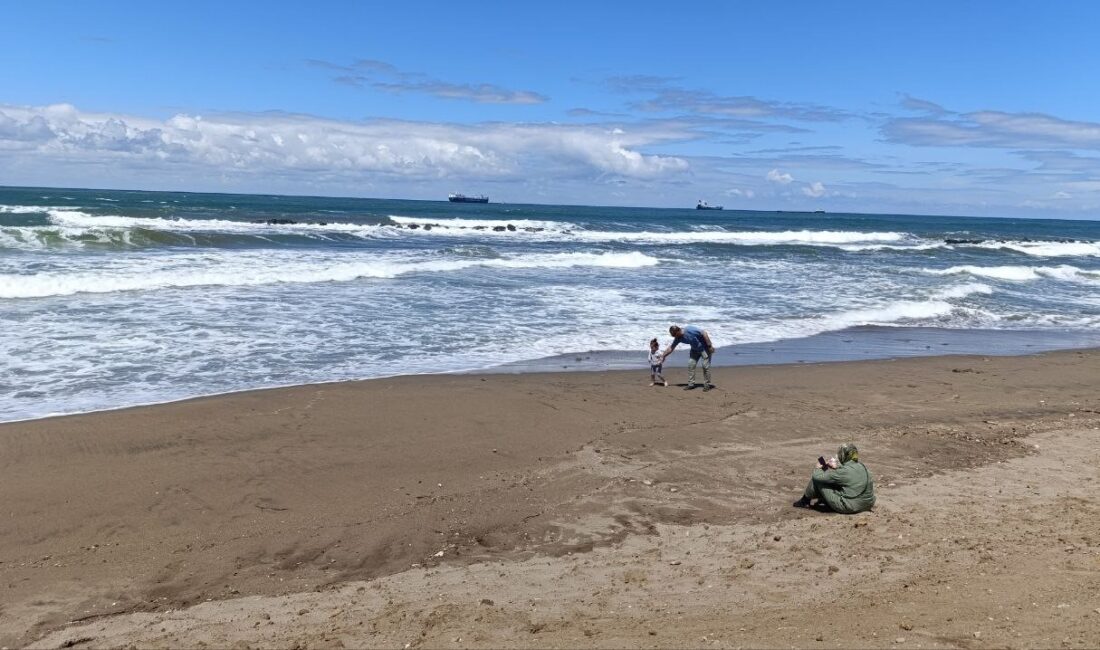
(111, 298)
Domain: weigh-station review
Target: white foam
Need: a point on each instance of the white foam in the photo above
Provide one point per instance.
(556, 230)
(916, 311)
(746, 238)
(76, 227)
(858, 248)
(532, 230)
(79, 219)
(941, 309)
(964, 290)
(902, 310)
(1021, 273)
(29, 209)
(1046, 248)
(254, 269)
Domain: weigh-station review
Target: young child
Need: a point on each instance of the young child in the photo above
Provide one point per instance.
(656, 360)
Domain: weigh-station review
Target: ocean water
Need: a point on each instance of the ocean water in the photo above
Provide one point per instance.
(115, 298)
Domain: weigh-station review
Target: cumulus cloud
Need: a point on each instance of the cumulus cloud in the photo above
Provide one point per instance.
(261, 143)
(28, 132)
(776, 176)
(814, 190)
(387, 77)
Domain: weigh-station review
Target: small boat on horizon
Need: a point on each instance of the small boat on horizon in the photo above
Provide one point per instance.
(703, 205)
(462, 198)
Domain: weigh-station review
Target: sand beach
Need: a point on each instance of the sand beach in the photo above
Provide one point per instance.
(567, 510)
(343, 325)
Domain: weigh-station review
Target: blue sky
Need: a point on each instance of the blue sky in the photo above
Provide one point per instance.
(987, 108)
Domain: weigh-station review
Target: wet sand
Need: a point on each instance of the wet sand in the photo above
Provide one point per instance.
(568, 509)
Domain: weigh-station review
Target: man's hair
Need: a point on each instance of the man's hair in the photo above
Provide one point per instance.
(672, 330)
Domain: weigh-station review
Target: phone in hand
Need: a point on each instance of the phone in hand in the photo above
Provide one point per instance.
(821, 461)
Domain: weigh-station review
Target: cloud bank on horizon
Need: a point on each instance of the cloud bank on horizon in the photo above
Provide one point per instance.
(274, 151)
(561, 114)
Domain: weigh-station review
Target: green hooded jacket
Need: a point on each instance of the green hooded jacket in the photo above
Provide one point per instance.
(849, 488)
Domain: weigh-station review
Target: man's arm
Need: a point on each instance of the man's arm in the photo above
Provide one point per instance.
(669, 350)
(706, 339)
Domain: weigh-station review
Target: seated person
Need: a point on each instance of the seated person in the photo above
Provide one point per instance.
(842, 483)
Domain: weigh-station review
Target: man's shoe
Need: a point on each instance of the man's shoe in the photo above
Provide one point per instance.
(802, 503)
(708, 387)
(690, 387)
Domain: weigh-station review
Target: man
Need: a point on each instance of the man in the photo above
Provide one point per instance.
(701, 348)
(842, 483)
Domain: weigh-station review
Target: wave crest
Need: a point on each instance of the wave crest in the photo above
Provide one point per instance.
(1021, 273)
(255, 270)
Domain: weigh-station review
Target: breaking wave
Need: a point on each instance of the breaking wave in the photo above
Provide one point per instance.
(1046, 248)
(254, 270)
(1021, 273)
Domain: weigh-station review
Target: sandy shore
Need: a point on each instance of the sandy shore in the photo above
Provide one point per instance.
(568, 509)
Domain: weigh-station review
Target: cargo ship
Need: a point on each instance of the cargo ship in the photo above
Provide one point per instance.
(462, 198)
(703, 205)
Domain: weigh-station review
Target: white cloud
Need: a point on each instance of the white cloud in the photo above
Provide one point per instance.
(265, 143)
(1063, 195)
(814, 190)
(777, 176)
(389, 78)
(993, 129)
(748, 194)
(666, 95)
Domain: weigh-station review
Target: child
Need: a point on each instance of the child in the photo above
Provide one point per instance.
(656, 360)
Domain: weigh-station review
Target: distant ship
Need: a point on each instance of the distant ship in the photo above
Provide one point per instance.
(703, 205)
(462, 198)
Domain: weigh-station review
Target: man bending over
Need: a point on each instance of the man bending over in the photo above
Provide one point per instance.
(701, 349)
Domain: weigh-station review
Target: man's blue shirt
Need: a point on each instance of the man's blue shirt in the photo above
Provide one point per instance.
(693, 336)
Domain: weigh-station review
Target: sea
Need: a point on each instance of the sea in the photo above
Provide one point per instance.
(116, 298)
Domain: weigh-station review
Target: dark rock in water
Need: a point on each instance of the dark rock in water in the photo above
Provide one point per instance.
(479, 227)
(950, 240)
(427, 226)
(511, 228)
(413, 226)
(529, 229)
(276, 222)
(498, 228)
(288, 222)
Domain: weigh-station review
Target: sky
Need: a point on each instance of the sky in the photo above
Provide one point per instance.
(935, 107)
